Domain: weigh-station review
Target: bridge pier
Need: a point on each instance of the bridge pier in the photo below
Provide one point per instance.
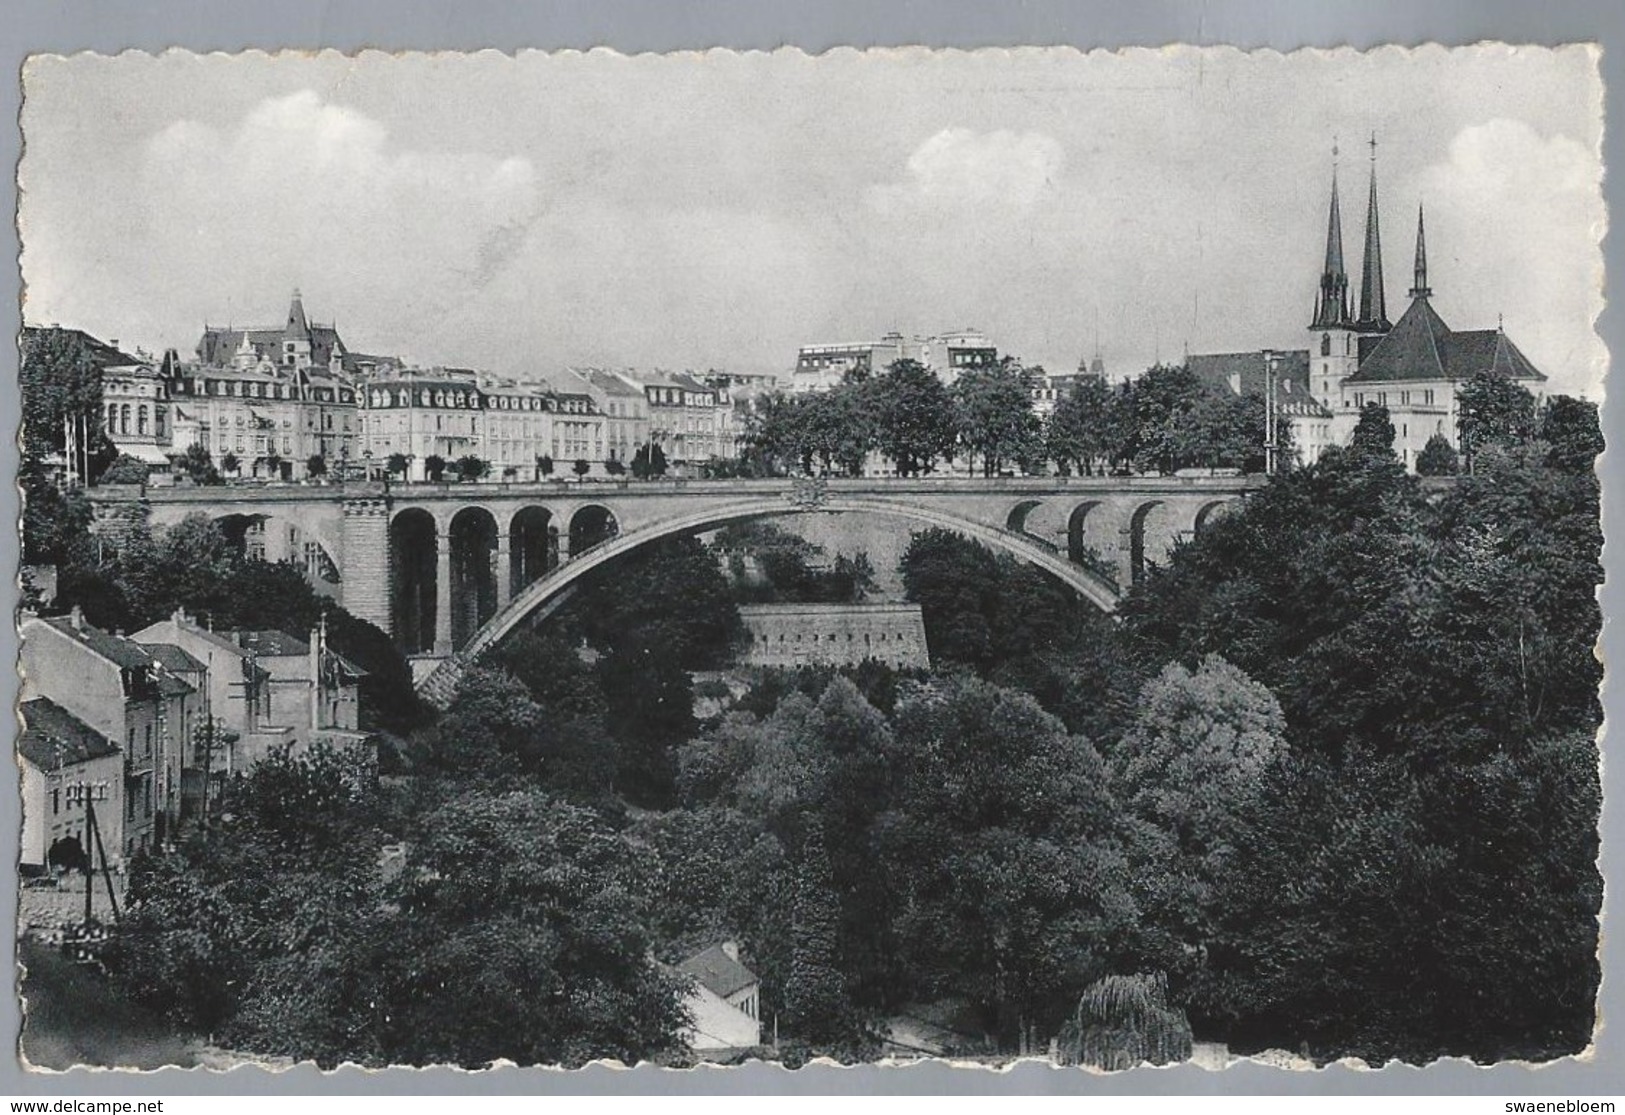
(442, 592)
(365, 573)
(502, 569)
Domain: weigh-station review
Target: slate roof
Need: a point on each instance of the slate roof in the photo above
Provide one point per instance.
(116, 649)
(104, 354)
(271, 642)
(278, 644)
(718, 972)
(172, 657)
(219, 344)
(610, 383)
(52, 736)
(1422, 347)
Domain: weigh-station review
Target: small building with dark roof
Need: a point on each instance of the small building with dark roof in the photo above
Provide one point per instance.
(725, 1002)
(58, 753)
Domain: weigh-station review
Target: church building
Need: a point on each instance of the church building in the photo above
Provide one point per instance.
(1414, 367)
(1356, 355)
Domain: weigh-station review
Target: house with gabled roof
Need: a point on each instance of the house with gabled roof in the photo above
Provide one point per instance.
(58, 752)
(122, 691)
(725, 1003)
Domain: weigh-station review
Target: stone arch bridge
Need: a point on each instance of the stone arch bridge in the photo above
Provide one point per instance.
(450, 569)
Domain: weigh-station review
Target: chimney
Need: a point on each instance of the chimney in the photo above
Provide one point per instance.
(77, 618)
(730, 949)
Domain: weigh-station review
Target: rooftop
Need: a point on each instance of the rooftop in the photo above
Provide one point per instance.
(53, 737)
(718, 972)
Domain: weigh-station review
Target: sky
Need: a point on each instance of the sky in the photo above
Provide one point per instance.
(718, 210)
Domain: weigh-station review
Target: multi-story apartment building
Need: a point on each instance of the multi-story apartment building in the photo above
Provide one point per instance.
(424, 414)
(268, 420)
(690, 420)
(120, 690)
(516, 424)
(820, 367)
(625, 407)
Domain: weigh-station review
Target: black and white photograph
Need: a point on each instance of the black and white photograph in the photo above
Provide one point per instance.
(876, 556)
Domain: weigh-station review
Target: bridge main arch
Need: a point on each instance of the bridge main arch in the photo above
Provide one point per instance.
(548, 591)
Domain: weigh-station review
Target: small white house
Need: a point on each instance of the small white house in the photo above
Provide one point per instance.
(726, 1000)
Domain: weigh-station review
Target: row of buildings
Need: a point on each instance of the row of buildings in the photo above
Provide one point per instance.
(268, 401)
(150, 727)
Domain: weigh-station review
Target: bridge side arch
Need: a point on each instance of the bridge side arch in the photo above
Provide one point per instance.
(546, 593)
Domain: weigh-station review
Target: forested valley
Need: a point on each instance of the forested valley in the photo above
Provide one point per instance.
(1330, 778)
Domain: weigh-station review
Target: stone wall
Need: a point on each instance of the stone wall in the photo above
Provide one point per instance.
(834, 634)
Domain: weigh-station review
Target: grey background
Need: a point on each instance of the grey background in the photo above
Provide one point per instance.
(109, 26)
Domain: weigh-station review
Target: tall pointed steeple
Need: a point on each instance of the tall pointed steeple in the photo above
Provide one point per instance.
(1373, 306)
(1421, 288)
(1332, 303)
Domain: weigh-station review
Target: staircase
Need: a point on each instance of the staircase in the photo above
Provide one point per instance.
(440, 687)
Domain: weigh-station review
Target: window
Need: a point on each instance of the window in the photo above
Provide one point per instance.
(56, 800)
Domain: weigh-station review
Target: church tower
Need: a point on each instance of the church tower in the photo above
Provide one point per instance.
(1373, 320)
(1333, 353)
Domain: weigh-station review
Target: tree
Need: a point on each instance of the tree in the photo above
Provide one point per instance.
(993, 413)
(914, 417)
(273, 466)
(472, 468)
(581, 467)
(61, 381)
(198, 465)
(815, 1000)
(1009, 886)
(434, 467)
(397, 465)
(1079, 435)
(1188, 771)
(1572, 431)
(125, 470)
(1493, 410)
(1437, 458)
(525, 940)
(615, 467)
(1166, 400)
(649, 461)
(492, 729)
(1373, 440)
(316, 465)
(544, 466)
(229, 464)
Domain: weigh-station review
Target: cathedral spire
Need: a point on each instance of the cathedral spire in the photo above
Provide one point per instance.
(1373, 306)
(1421, 289)
(1332, 303)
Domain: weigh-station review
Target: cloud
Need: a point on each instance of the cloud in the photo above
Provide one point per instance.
(1514, 222)
(300, 191)
(959, 168)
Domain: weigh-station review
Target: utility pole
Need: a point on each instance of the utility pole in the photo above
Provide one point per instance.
(89, 793)
(1271, 412)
